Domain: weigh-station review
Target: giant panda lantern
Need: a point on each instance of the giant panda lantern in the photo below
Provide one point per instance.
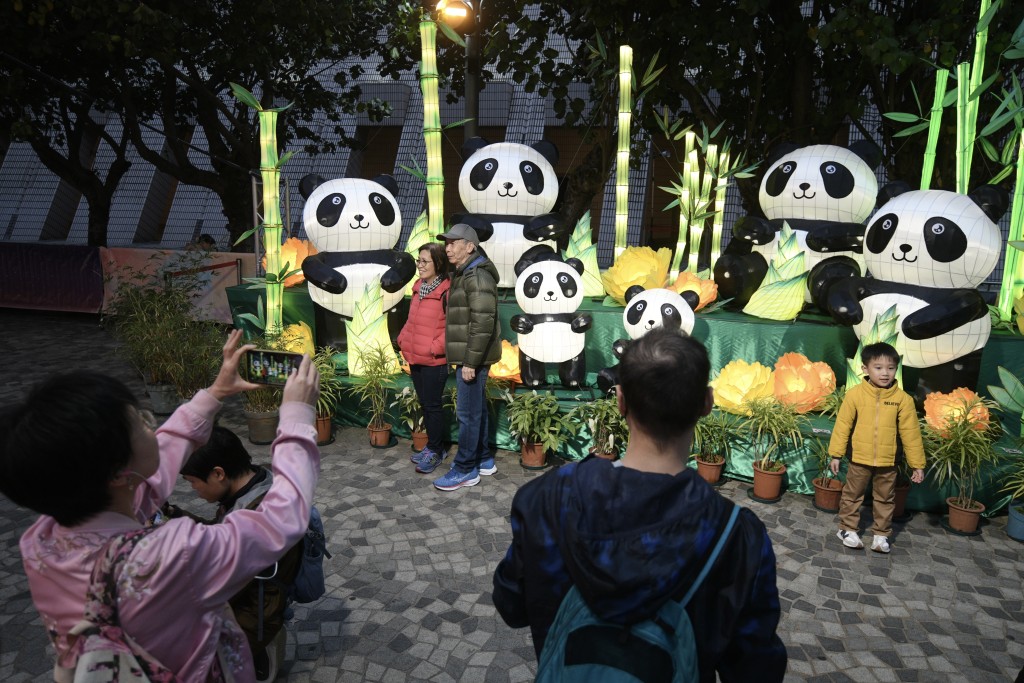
(354, 224)
(508, 191)
(826, 194)
(648, 309)
(549, 292)
(927, 251)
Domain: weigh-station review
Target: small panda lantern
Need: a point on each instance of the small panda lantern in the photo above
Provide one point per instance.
(354, 224)
(647, 309)
(927, 251)
(508, 191)
(826, 194)
(549, 290)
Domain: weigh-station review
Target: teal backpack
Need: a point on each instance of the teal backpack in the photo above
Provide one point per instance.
(583, 647)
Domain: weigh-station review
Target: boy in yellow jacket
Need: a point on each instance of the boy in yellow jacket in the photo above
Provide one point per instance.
(878, 413)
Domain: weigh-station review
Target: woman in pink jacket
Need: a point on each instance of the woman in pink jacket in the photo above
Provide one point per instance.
(79, 451)
(422, 344)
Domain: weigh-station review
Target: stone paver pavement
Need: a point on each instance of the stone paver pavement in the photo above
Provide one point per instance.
(409, 585)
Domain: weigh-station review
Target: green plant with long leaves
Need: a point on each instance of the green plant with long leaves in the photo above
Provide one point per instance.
(410, 408)
(372, 386)
(1009, 396)
(964, 446)
(774, 429)
(712, 436)
(536, 418)
(331, 388)
(605, 424)
(1014, 483)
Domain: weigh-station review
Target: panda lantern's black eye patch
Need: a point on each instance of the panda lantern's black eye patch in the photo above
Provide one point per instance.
(483, 173)
(533, 177)
(567, 284)
(328, 211)
(837, 179)
(635, 312)
(532, 286)
(944, 239)
(382, 208)
(670, 317)
(878, 236)
(776, 182)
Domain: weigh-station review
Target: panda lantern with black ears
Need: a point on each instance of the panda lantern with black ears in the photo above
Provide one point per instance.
(508, 191)
(354, 224)
(549, 290)
(647, 309)
(826, 194)
(927, 251)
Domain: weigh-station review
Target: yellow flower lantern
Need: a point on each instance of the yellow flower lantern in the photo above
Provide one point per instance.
(940, 409)
(636, 266)
(740, 382)
(801, 384)
(298, 338)
(707, 290)
(293, 252)
(508, 367)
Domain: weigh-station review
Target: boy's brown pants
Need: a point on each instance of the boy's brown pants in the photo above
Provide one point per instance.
(883, 493)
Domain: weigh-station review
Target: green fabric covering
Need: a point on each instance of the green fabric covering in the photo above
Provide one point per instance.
(727, 336)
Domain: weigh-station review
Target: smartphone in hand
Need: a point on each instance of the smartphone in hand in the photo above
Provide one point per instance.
(264, 366)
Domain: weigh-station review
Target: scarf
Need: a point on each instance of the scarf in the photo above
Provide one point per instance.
(428, 287)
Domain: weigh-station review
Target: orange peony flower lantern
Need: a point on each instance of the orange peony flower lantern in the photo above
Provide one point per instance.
(293, 252)
(801, 384)
(740, 382)
(707, 290)
(940, 409)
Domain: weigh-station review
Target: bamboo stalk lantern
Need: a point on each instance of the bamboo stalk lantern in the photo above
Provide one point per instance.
(432, 127)
(622, 155)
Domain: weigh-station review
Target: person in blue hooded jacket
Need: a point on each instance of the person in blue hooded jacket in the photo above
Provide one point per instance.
(634, 533)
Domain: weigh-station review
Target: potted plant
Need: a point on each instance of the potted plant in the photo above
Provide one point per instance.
(260, 407)
(152, 315)
(408, 404)
(371, 389)
(605, 425)
(537, 421)
(959, 434)
(330, 393)
(711, 436)
(773, 428)
(827, 489)
(901, 490)
(1014, 485)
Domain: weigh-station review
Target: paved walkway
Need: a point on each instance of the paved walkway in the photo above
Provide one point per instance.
(409, 586)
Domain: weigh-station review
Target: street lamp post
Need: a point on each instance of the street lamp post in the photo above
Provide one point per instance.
(464, 16)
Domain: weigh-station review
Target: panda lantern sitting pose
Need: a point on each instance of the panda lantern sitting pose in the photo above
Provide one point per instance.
(508, 190)
(354, 224)
(549, 290)
(826, 194)
(927, 251)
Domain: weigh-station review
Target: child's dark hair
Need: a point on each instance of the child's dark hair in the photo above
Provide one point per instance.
(879, 350)
(61, 446)
(664, 382)
(224, 450)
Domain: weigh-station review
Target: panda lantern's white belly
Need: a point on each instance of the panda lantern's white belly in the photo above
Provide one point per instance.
(358, 276)
(552, 342)
(506, 246)
(924, 353)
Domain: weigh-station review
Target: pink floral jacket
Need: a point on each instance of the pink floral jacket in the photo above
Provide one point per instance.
(173, 594)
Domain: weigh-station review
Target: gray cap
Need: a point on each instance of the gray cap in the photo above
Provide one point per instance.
(461, 231)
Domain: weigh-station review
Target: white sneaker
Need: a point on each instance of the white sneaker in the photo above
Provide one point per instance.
(880, 544)
(850, 539)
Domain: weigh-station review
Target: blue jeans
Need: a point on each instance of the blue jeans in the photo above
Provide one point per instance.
(429, 380)
(471, 410)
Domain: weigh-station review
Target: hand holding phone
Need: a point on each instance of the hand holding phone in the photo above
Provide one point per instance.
(266, 366)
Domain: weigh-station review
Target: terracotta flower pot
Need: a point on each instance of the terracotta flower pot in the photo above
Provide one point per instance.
(533, 456)
(711, 472)
(603, 456)
(962, 519)
(324, 430)
(827, 492)
(768, 485)
(380, 437)
(419, 441)
(899, 510)
(262, 426)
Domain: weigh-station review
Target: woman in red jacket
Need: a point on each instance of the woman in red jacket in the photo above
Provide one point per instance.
(422, 344)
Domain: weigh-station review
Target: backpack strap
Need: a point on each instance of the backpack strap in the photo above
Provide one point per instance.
(722, 538)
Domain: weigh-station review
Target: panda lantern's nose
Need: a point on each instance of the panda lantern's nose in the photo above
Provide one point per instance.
(507, 186)
(359, 217)
(905, 248)
(805, 186)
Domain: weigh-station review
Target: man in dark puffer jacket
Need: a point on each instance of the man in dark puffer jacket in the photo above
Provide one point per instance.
(472, 344)
(634, 533)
